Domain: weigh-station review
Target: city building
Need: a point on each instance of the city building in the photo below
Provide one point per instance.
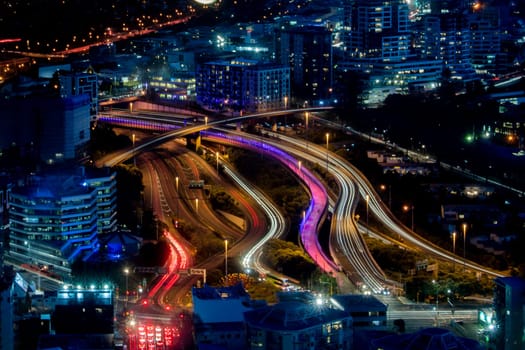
(242, 85)
(299, 321)
(53, 129)
(81, 83)
(307, 50)
(485, 41)
(83, 318)
(218, 316)
(56, 218)
(7, 276)
(377, 29)
(104, 180)
(366, 310)
(425, 338)
(508, 317)
(377, 42)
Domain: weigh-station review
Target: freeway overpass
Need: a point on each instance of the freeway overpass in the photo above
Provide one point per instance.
(121, 157)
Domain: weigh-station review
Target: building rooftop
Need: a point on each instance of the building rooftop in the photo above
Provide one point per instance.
(515, 282)
(293, 314)
(354, 302)
(233, 292)
(426, 339)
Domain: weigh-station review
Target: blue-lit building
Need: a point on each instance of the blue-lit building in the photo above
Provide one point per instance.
(367, 311)
(218, 316)
(378, 43)
(299, 321)
(509, 315)
(425, 338)
(7, 276)
(242, 85)
(55, 219)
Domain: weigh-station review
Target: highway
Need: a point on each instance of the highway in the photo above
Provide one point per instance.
(343, 214)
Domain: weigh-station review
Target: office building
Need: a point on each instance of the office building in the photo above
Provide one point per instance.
(299, 321)
(52, 129)
(242, 85)
(54, 218)
(377, 29)
(485, 41)
(378, 43)
(509, 316)
(83, 318)
(81, 83)
(425, 338)
(218, 316)
(366, 310)
(7, 276)
(307, 50)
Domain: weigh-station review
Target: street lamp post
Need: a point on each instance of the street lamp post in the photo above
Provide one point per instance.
(367, 200)
(217, 156)
(383, 188)
(126, 272)
(411, 208)
(437, 301)
(133, 141)
(454, 250)
(306, 126)
(327, 138)
(464, 245)
(226, 258)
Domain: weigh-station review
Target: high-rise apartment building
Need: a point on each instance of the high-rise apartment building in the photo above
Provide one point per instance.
(81, 83)
(377, 29)
(509, 306)
(242, 85)
(378, 43)
(307, 50)
(53, 129)
(485, 40)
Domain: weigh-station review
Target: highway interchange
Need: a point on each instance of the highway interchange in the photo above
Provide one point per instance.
(349, 259)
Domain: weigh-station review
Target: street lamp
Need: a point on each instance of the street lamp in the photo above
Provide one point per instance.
(205, 120)
(217, 156)
(133, 141)
(411, 208)
(434, 282)
(285, 102)
(454, 250)
(306, 126)
(126, 272)
(464, 245)
(367, 200)
(383, 188)
(226, 258)
(327, 138)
